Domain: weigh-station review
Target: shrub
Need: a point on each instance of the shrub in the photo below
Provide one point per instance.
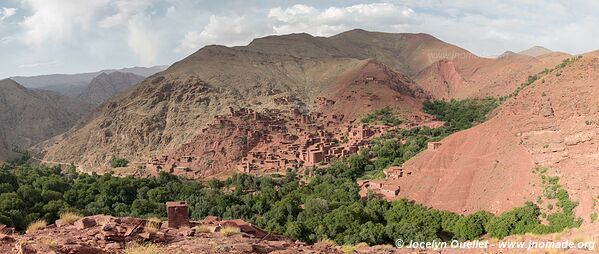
(229, 231)
(119, 162)
(517, 221)
(152, 225)
(36, 225)
(384, 116)
(145, 249)
(203, 229)
(472, 226)
(69, 217)
(348, 249)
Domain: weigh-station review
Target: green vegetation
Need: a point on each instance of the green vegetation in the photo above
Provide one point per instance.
(532, 78)
(460, 115)
(328, 207)
(119, 162)
(384, 116)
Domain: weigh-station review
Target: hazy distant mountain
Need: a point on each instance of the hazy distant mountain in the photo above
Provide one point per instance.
(143, 71)
(506, 54)
(536, 51)
(29, 116)
(73, 84)
(105, 86)
(70, 90)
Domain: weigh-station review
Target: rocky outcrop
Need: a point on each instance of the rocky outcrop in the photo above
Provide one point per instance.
(113, 235)
(101, 234)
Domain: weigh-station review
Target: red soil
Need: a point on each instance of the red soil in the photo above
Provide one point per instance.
(552, 123)
(471, 76)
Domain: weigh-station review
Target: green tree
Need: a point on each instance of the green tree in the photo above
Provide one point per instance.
(119, 162)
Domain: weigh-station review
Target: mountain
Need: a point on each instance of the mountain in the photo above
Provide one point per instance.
(404, 52)
(472, 76)
(536, 51)
(30, 116)
(105, 86)
(73, 84)
(491, 165)
(170, 108)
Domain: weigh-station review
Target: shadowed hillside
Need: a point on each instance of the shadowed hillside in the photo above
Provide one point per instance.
(104, 86)
(30, 116)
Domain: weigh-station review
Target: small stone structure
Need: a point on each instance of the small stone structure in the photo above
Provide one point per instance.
(394, 173)
(434, 146)
(379, 188)
(177, 214)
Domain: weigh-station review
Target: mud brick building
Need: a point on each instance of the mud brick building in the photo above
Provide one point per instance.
(394, 173)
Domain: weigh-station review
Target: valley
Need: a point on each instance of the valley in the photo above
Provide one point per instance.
(359, 137)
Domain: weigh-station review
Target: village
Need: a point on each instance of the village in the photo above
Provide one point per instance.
(276, 140)
(272, 141)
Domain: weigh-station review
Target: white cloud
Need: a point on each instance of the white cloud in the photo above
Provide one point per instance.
(491, 27)
(56, 19)
(6, 40)
(125, 9)
(7, 12)
(102, 33)
(144, 42)
(39, 64)
(376, 16)
(240, 30)
(227, 30)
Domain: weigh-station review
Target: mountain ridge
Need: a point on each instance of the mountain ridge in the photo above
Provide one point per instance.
(104, 86)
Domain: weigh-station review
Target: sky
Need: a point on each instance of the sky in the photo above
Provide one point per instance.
(73, 36)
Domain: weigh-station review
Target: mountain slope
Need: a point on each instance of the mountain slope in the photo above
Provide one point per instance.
(493, 161)
(472, 76)
(105, 86)
(30, 116)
